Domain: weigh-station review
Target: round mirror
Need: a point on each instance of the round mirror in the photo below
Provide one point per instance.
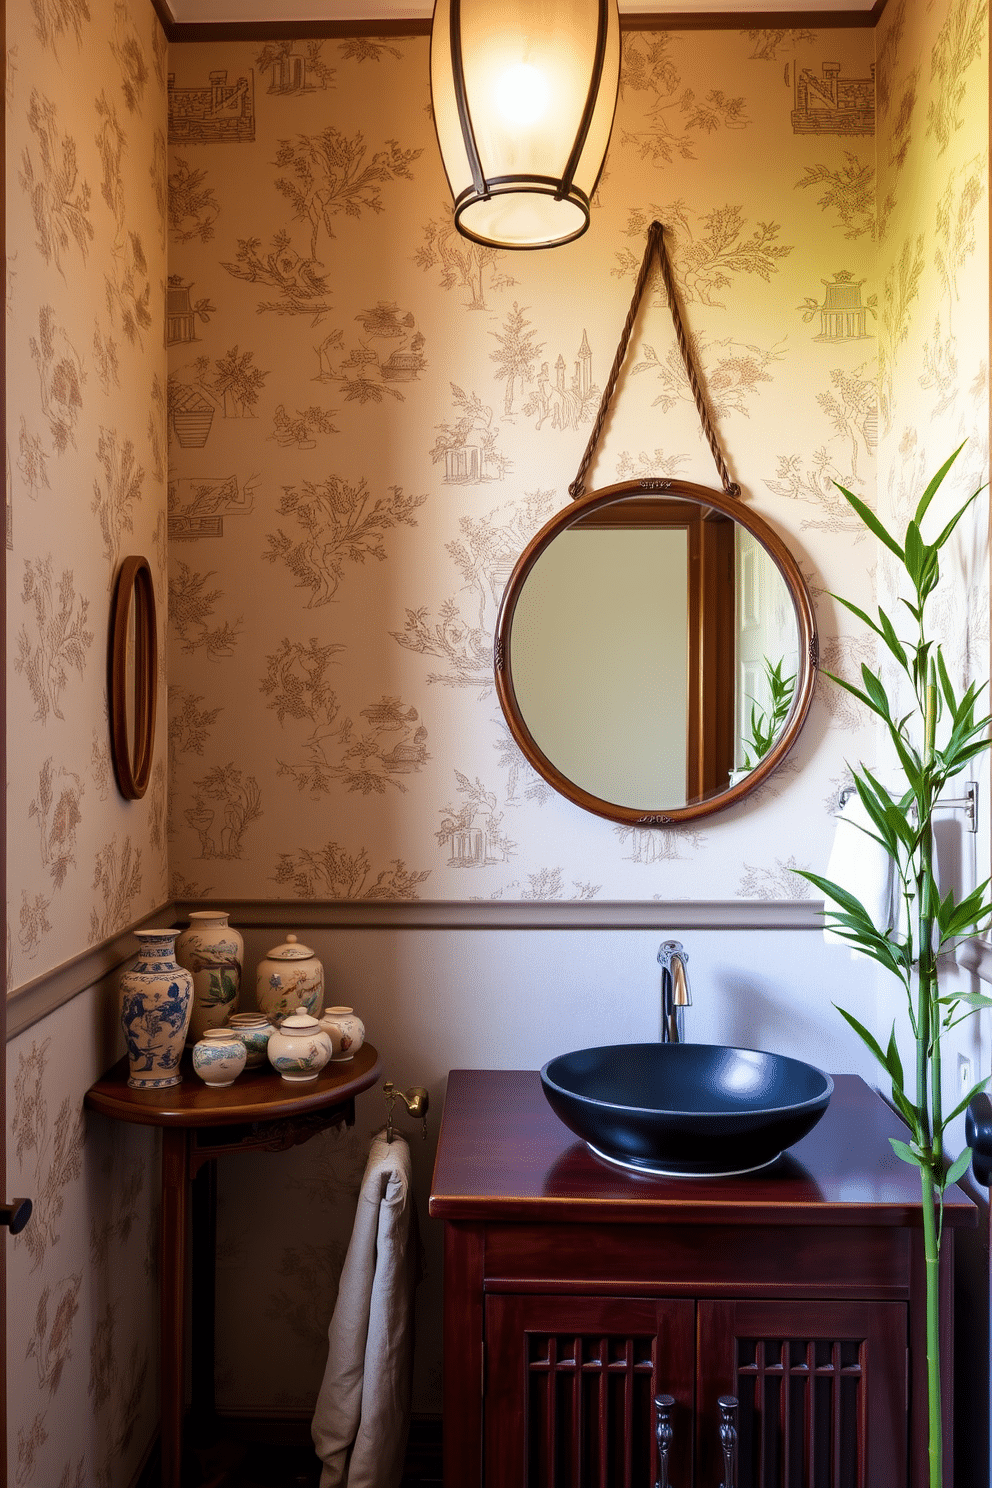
(133, 669)
(655, 651)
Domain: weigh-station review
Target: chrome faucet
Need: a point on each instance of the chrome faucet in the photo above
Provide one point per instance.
(675, 996)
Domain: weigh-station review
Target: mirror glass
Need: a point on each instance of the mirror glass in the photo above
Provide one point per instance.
(655, 651)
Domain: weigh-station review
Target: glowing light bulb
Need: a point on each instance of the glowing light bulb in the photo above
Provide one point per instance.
(522, 94)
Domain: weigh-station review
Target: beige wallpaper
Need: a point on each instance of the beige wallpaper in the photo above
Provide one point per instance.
(369, 416)
(86, 458)
(86, 452)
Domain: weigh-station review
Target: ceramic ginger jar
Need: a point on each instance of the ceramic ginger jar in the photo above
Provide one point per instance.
(219, 1056)
(156, 999)
(254, 1030)
(345, 1030)
(289, 977)
(214, 953)
(299, 1048)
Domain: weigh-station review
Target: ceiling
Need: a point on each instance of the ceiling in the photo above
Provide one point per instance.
(187, 12)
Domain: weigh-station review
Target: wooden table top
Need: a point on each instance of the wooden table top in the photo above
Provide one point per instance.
(256, 1095)
(504, 1155)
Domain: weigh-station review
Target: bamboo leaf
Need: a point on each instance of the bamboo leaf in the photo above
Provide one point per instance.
(875, 690)
(935, 484)
(864, 1034)
(945, 682)
(957, 517)
(915, 554)
(909, 1112)
(871, 521)
(856, 610)
(957, 1168)
(902, 1150)
(965, 1102)
(892, 1061)
(975, 1001)
(891, 639)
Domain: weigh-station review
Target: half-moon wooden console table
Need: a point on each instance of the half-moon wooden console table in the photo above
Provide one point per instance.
(260, 1112)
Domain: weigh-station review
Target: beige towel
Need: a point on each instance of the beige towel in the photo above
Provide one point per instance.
(362, 1416)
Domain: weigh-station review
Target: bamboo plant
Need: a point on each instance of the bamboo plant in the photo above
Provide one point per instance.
(764, 723)
(933, 742)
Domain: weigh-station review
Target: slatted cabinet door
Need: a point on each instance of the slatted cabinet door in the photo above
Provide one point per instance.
(822, 1391)
(569, 1390)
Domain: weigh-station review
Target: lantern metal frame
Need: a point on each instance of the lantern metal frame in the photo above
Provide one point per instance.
(561, 188)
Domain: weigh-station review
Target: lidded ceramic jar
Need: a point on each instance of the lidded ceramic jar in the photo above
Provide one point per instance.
(219, 1056)
(345, 1030)
(290, 976)
(254, 1031)
(214, 953)
(156, 997)
(299, 1048)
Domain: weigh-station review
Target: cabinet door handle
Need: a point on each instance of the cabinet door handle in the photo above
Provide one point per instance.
(728, 1439)
(664, 1436)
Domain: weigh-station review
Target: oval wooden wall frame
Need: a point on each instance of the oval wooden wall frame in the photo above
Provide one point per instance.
(134, 593)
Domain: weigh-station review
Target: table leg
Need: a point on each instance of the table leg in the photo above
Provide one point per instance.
(203, 1292)
(172, 1284)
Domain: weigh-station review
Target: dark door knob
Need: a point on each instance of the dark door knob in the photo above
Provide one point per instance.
(15, 1215)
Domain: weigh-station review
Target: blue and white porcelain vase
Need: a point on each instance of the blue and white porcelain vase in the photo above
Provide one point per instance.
(156, 999)
(214, 953)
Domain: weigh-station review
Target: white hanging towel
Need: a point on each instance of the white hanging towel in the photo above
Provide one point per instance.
(362, 1415)
(861, 865)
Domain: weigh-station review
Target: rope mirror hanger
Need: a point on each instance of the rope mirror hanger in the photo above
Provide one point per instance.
(656, 247)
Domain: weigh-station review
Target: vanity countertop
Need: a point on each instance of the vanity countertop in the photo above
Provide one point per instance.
(503, 1155)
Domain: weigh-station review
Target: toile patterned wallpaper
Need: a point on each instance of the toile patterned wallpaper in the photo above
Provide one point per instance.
(369, 417)
(361, 422)
(86, 484)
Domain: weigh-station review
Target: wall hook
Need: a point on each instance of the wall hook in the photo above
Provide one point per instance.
(416, 1100)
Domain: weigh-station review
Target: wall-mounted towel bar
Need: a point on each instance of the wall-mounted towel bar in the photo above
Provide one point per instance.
(416, 1100)
(968, 803)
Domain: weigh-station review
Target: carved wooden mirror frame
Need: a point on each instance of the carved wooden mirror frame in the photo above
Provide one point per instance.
(133, 677)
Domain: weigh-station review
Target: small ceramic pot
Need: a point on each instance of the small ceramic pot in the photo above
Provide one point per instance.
(298, 1048)
(290, 976)
(219, 1056)
(345, 1030)
(254, 1031)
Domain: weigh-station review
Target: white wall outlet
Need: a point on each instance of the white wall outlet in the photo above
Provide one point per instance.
(966, 1076)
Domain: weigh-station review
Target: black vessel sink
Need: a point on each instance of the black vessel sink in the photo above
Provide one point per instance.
(686, 1109)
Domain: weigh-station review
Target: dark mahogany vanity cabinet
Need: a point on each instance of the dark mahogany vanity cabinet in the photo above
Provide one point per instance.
(575, 1292)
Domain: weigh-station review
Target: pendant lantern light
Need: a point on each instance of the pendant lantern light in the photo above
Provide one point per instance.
(524, 93)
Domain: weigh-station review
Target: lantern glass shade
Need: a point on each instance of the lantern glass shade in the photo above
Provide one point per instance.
(524, 93)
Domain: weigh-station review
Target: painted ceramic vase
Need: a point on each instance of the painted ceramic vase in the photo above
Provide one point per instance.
(219, 1056)
(156, 999)
(289, 977)
(299, 1049)
(214, 953)
(345, 1030)
(254, 1030)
